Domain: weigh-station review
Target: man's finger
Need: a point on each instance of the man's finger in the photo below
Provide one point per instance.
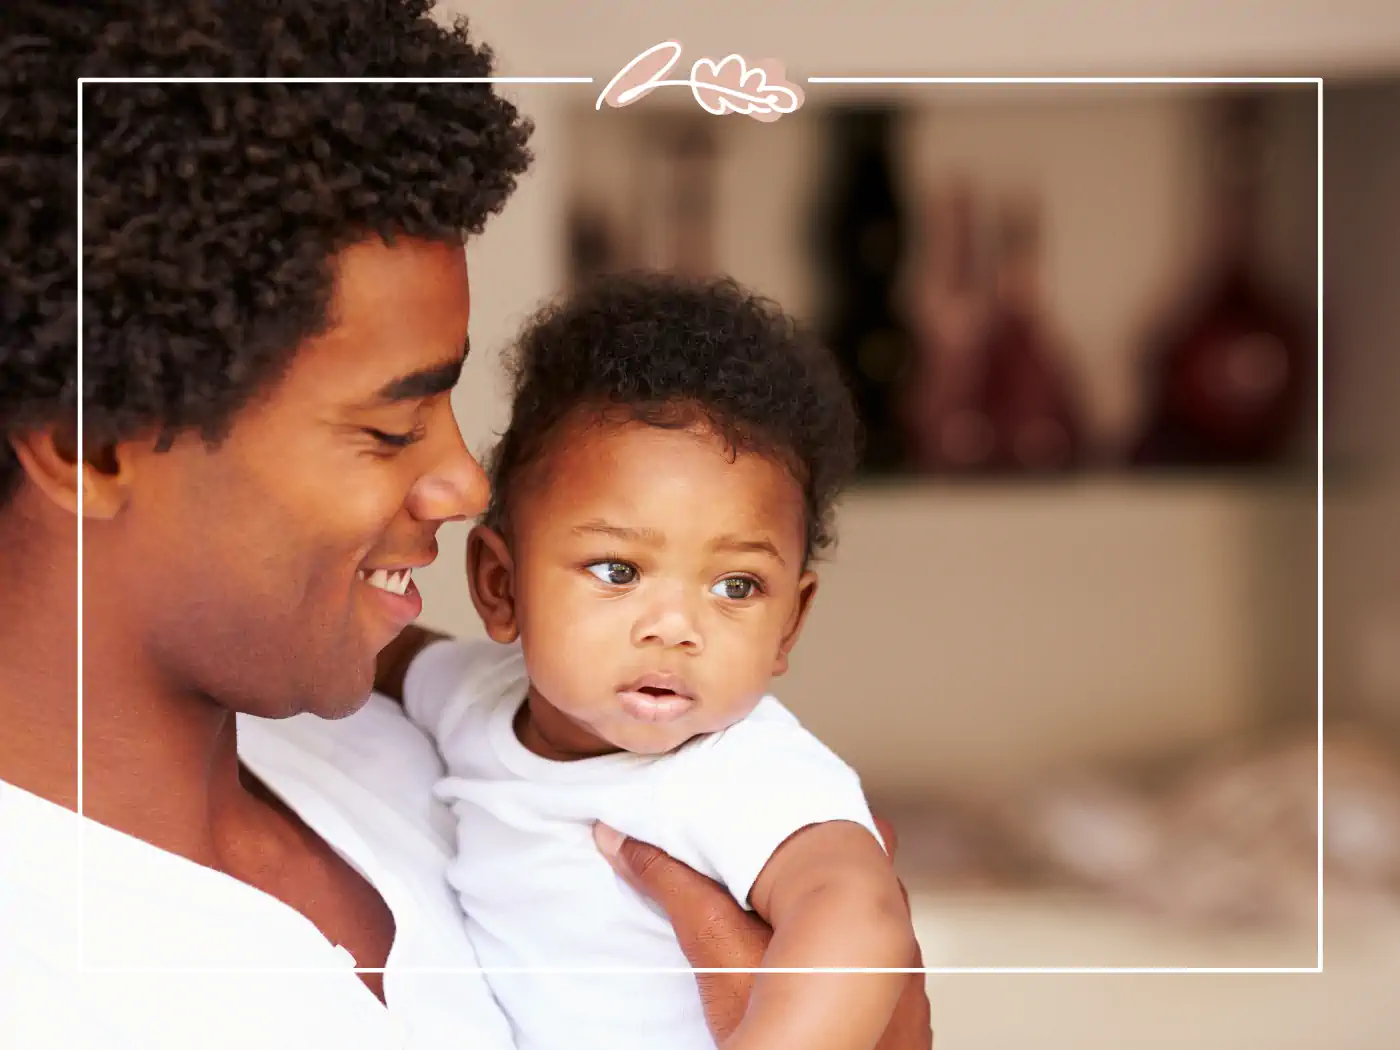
(676, 888)
(910, 1028)
(712, 930)
(891, 839)
(888, 835)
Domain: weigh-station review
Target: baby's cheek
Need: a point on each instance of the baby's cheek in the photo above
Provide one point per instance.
(583, 657)
(734, 707)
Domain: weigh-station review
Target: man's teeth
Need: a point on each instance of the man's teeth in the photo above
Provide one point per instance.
(395, 582)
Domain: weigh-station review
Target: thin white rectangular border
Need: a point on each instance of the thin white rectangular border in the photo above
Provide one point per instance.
(1318, 968)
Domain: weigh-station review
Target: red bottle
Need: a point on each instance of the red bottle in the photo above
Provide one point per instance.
(1026, 393)
(1227, 373)
(947, 301)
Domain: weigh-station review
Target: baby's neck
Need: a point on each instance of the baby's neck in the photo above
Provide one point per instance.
(544, 731)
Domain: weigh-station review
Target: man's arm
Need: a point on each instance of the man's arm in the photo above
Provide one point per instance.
(392, 665)
(715, 932)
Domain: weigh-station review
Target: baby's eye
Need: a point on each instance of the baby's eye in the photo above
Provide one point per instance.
(618, 573)
(735, 588)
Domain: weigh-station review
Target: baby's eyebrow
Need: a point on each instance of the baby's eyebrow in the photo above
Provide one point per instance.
(653, 537)
(741, 545)
(728, 543)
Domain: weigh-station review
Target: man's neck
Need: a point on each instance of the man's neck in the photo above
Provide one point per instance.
(158, 763)
(39, 653)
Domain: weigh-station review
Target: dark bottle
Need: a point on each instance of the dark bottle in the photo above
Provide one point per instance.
(948, 306)
(592, 250)
(1026, 397)
(690, 205)
(1226, 374)
(860, 243)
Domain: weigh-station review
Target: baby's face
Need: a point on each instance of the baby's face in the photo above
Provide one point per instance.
(658, 585)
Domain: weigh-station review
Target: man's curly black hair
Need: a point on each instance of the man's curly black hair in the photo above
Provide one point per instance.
(671, 352)
(211, 211)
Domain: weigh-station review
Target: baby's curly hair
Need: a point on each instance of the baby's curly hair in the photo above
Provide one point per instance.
(675, 353)
(211, 211)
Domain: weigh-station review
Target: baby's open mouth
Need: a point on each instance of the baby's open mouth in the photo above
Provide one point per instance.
(658, 685)
(656, 698)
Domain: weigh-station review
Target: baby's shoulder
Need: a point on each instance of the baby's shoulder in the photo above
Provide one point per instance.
(769, 743)
(452, 683)
(467, 672)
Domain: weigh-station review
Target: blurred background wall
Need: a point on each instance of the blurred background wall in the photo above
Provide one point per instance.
(1115, 658)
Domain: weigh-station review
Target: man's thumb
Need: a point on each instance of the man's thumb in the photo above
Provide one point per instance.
(632, 860)
(647, 869)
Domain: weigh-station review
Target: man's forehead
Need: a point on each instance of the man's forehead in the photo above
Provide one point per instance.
(397, 325)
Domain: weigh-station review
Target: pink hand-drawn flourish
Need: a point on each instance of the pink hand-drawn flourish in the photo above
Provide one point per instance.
(727, 86)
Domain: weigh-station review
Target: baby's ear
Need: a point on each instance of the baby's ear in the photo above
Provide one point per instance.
(491, 577)
(806, 591)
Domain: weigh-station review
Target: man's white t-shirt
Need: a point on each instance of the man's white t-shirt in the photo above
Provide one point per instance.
(537, 893)
(202, 951)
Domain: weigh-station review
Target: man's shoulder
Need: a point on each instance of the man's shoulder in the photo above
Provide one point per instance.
(40, 859)
(376, 757)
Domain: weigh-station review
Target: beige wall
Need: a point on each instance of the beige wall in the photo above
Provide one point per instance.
(979, 634)
(994, 37)
(1362, 260)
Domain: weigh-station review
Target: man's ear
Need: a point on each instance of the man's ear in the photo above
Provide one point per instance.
(49, 458)
(491, 578)
(806, 591)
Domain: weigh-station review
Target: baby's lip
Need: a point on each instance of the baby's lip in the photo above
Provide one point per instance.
(656, 698)
(659, 682)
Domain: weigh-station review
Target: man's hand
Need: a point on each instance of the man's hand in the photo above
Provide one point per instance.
(714, 932)
(392, 664)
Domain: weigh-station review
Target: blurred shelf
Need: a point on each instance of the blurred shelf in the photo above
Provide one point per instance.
(1281, 478)
(1129, 485)
(1343, 479)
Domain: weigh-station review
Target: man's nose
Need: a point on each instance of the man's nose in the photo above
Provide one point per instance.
(454, 488)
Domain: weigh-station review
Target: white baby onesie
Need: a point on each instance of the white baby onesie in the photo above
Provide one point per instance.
(536, 892)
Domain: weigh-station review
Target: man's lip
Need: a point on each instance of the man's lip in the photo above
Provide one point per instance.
(401, 564)
(401, 609)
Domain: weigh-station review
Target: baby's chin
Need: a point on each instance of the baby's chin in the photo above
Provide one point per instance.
(650, 742)
(649, 738)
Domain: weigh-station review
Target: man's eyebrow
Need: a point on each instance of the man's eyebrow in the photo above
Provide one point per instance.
(425, 382)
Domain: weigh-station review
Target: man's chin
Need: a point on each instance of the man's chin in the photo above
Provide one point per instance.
(343, 701)
(344, 710)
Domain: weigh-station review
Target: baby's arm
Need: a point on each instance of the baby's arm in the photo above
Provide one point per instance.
(832, 898)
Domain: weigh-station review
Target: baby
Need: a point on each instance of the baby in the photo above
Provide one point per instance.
(666, 480)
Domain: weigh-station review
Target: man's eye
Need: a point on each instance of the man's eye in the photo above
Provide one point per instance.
(394, 440)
